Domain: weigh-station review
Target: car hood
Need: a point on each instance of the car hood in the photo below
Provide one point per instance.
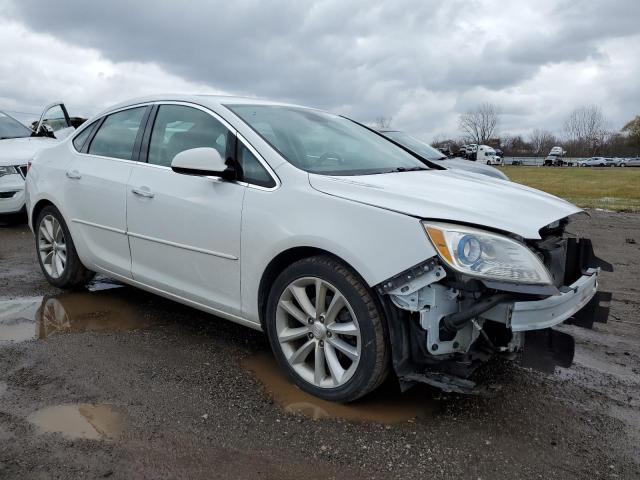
(453, 196)
(18, 151)
(469, 166)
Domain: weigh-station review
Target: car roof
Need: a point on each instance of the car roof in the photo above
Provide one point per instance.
(199, 99)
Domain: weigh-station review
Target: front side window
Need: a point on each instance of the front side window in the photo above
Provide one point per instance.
(178, 128)
(319, 142)
(116, 137)
(251, 170)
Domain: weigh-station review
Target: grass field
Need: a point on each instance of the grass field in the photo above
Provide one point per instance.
(609, 188)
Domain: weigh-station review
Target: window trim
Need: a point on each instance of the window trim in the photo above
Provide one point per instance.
(146, 142)
(98, 123)
(88, 127)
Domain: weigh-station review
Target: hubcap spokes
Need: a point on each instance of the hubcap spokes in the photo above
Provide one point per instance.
(318, 332)
(52, 246)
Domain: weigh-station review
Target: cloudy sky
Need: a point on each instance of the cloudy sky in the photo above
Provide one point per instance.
(420, 62)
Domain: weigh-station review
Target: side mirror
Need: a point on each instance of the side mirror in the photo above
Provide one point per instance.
(204, 161)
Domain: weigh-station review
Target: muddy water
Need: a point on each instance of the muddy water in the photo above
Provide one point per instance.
(386, 405)
(105, 308)
(93, 422)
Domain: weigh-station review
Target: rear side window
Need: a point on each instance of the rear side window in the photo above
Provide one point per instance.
(81, 138)
(178, 128)
(117, 135)
(252, 170)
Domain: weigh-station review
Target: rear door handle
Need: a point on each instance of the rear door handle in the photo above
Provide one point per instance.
(74, 174)
(143, 192)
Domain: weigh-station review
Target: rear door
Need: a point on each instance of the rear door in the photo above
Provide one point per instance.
(95, 187)
(184, 230)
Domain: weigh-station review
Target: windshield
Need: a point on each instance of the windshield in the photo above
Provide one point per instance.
(11, 128)
(418, 146)
(318, 142)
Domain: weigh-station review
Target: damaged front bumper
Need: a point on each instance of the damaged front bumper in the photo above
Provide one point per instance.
(548, 312)
(488, 321)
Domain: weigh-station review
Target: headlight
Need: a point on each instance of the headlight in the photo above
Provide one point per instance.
(486, 255)
(8, 171)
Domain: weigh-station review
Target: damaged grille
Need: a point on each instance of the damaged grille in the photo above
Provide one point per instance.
(567, 258)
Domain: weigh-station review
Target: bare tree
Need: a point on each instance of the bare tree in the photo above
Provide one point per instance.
(632, 131)
(479, 125)
(542, 141)
(383, 122)
(586, 130)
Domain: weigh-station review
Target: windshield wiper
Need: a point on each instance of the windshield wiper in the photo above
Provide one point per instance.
(407, 169)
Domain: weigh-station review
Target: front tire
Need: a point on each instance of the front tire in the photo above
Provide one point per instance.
(326, 330)
(56, 251)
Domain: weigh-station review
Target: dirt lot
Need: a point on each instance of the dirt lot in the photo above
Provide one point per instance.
(116, 383)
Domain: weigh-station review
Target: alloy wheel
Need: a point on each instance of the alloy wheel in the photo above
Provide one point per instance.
(318, 332)
(52, 246)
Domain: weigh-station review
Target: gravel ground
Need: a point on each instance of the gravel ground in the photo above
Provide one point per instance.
(142, 387)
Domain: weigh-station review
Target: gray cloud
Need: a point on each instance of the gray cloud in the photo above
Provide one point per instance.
(421, 62)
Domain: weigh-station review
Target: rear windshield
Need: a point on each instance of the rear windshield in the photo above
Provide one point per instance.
(318, 142)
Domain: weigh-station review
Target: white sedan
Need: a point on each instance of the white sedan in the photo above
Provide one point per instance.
(18, 145)
(354, 258)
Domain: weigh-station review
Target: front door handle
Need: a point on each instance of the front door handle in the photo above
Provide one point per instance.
(143, 192)
(74, 174)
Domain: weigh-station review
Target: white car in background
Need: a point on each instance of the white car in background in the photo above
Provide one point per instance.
(18, 145)
(593, 162)
(355, 258)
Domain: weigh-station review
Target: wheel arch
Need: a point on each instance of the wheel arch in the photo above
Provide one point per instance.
(38, 207)
(280, 262)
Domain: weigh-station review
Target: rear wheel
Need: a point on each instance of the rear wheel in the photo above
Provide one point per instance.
(57, 254)
(326, 330)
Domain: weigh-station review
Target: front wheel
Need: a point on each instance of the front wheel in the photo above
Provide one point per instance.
(57, 254)
(326, 330)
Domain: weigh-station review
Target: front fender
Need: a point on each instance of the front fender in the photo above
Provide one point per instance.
(377, 243)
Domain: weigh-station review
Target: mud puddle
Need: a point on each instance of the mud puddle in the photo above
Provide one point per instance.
(105, 309)
(83, 421)
(386, 405)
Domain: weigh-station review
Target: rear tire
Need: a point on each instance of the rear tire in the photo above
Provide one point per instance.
(56, 251)
(334, 348)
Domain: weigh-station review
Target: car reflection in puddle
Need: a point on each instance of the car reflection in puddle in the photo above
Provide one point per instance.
(386, 405)
(83, 421)
(104, 309)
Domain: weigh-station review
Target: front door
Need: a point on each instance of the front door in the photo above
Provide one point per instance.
(184, 230)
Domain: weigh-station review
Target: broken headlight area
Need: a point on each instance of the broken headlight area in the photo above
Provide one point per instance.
(445, 322)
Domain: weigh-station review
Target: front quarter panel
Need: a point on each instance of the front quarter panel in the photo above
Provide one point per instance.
(377, 243)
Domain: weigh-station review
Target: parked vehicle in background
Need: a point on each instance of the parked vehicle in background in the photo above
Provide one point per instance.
(446, 151)
(18, 144)
(346, 250)
(593, 162)
(630, 162)
(426, 151)
(615, 162)
(499, 153)
(469, 151)
(556, 158)
(487, 155)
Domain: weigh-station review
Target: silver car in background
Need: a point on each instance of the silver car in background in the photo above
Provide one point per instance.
(426, 151)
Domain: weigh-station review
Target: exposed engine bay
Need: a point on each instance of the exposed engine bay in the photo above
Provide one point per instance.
(444, 324)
